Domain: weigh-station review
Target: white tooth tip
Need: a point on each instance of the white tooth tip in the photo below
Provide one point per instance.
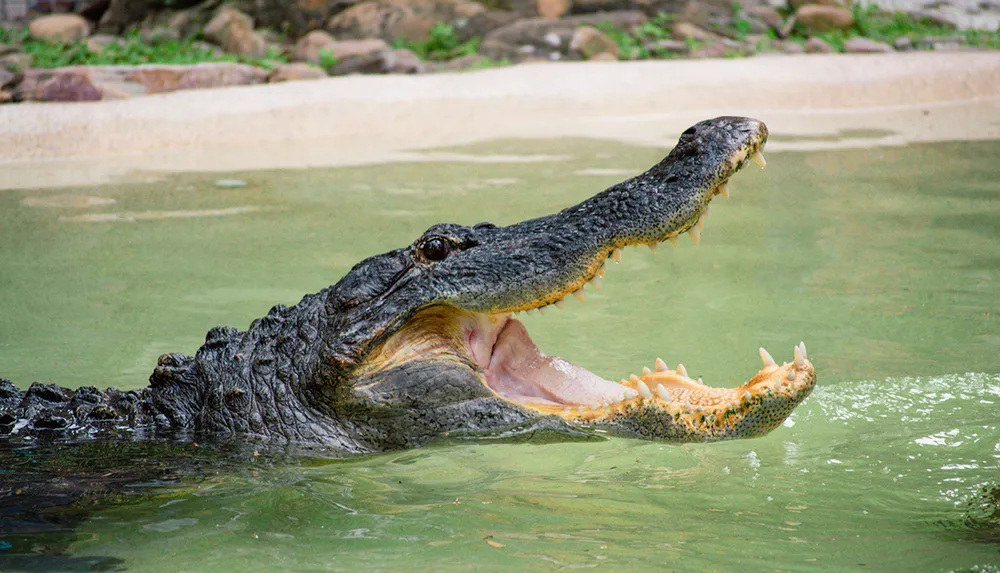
(662, 393)
(681, 370)
(765, 357)
(695, 234)
(802, 345)
(747, 395)
(661, 366)
(791, 375)
(633, 377)
(560, 304)
(724, 190)
(701, 223)
(700, 381)
(541, 310)
(758, 158)
(643, 389)
(645, 370)
(601, 270)
(579, 294)
(800, 359)
(595, 281)
(630, 393)
(652, 247)
(673, 241)
(617, 255)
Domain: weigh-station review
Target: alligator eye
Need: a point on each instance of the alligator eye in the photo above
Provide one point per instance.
(435, 249)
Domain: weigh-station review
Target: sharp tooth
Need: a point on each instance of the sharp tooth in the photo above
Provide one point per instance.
(708, 211)
(791, 375)
(758, 158)
(560, 304)
(580, 295)
(662, 393)
(633, 378)
(673, 241)
(541, 310)
(601, 270)
(695, 234)
(595, 281)
(700, 381)
(643, 389)
(800, 360)
(630, 393)
(724, 190)
(701, 223)
(766, 358)
(617, 255)
(661, 366)
(645, 370)
(803, 346)
(529, 311)
(747, 395)
(652, 247)
(612, 401)
(681, 370)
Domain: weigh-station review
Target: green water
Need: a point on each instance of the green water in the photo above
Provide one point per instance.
(886, 262)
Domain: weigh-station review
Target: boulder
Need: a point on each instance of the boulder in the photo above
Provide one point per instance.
(934, 18)
(590, 42)
(295, 72)
(62, 84)
(790, 47)
(393, 20)
(796, 4)
(384, 62)
(16, 62)
(866, 46)
(688, 31)
(59, 28)
(534, 38)
(903, 43)
(593, 6)
(308, 48)
(233, 31)
(98, 42)
(552, 8)
(712, 15)
(8, 78)
(767, 15)
(294, 17)
(168, 78)
(818, 46)
(819, 19)
(6, 96)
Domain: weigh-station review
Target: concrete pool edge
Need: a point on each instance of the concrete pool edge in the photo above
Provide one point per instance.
(809, 102)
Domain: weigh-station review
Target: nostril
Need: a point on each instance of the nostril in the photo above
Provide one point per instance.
(689, 131)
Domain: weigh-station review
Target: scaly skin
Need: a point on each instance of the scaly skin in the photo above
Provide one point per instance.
(420, 341)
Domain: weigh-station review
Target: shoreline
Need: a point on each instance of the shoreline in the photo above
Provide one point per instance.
(873, 100)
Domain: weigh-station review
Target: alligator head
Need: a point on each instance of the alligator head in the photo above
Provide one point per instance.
(432, 326)
(422, 341)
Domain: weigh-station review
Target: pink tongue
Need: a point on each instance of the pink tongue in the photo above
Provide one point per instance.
(518, 370)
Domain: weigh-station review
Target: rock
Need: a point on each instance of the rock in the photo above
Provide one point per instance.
(552, 8)
(791, 47)
(796, 4)
(688, 31)
(531, 38)
(716, 49)
(167, 78)
(59, 28)
(16, 62)
(308, 48)
(61, 84)
(589, 42)
(818, 46)
(668, 46)
(351, 48)
(9, 78)
(818, 19)
(903, 43)
(461, 63)
(98, 42)
(384, 62)
(865, 46)
(6, 97)
(942, 43)
(7, 49)
(294, 72)
(233, 31)
(393, 20)
(767, 15)
(293, 17)
(933, 18)
(716, 16)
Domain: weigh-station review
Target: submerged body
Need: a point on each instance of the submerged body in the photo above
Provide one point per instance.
(423, 340)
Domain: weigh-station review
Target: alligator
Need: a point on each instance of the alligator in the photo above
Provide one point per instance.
(422, 341)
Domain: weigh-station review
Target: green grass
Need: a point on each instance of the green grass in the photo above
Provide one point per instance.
(441, 44)
(131, 50)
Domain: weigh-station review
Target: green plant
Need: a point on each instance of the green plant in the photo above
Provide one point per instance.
(442, 44)
(327, 59)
